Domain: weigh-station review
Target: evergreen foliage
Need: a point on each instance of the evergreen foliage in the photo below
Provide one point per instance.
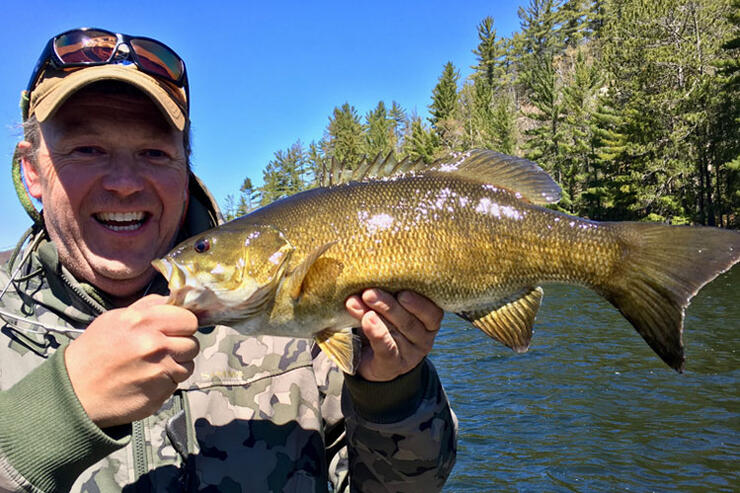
(284, 175)
(380, 132)
(631, 105)
(344, 135)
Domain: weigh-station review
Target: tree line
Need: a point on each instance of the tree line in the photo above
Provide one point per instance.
(631, 105)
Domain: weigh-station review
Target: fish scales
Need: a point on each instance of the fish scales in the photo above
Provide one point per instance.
(470, 234)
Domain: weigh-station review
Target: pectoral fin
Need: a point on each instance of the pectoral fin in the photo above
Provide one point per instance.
(509, 322)
(343, 347)
(298, 275)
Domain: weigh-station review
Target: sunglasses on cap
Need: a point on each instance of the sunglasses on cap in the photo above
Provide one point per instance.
(86, 47)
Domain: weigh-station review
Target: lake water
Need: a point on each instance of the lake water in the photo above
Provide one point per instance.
(590, 407)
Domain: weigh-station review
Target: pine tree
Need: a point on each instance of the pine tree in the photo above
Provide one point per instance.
(489, 55)
(475, 109)
(723, 132)
(487, 104)
(379, 136)
(503, 123)
(422, 143)
(729, 59)
(229, 208)
(283, 175)
(538, 49)
(577, 134)
(490, 118)
(444, 109)
(317, 163)
(344, 136)
(444, 95)
(608, 196)
(401, 125)
(540, 38)
(576, 21)
(543, 136)
(248, 197)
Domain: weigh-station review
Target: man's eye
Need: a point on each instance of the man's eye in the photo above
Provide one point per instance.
(155, 153)
(87, 150)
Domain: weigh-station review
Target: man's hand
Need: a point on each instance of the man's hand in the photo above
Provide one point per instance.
(130, 360)
(400, 330)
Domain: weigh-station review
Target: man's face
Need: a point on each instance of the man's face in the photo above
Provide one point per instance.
(111, 174)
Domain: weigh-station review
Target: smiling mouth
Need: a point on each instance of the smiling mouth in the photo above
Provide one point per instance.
(122, 221)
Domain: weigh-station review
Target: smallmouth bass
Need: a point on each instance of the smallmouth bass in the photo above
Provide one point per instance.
(469, 233)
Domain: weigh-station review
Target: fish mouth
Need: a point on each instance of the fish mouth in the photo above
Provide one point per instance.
(164, 267)
(182, 293)
(175, 277)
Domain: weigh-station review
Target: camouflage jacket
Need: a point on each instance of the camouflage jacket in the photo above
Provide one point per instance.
(258, 413)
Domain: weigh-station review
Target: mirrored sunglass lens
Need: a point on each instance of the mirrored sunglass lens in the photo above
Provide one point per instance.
(85, 46)
(158, 59)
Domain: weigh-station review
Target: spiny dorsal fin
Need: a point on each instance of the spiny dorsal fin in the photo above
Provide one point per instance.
(297, 276)
(509, 322)
(343, 347)
(383, 166)
(517, 174)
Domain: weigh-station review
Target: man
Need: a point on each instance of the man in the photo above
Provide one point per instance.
(104, 387)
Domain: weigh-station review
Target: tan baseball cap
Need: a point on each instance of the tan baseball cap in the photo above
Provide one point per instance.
(56, 85)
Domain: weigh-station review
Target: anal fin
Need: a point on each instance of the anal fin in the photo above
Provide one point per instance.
(509, 322)
(343, 347)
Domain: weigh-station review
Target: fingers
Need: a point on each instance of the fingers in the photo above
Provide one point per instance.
(154, 310)
(176, 321)
(423, 309)
(400, 332)
(409, 324)
(179, 372)
(356, 307)
(376, 330)
(180, 347)
(378, 334)
(183, 349)
(183, 372)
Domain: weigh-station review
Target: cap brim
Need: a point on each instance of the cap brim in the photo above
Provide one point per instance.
(54, 89)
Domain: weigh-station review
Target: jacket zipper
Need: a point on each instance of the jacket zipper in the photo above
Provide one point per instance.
(83, 296)
(138, 440)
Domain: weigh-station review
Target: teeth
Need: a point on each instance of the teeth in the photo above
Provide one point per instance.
(120, 217)
(122, 228)
(121, 221)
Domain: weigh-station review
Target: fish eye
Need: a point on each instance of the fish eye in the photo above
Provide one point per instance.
(202, 245)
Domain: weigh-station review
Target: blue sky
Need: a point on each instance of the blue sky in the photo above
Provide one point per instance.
(262, 74)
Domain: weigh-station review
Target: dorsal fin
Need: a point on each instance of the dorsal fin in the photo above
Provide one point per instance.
(516, 174)
(383, 166)
(519, 175)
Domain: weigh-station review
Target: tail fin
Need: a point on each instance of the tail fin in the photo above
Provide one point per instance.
(662, 269)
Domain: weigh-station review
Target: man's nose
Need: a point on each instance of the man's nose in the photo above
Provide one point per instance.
(124, 175)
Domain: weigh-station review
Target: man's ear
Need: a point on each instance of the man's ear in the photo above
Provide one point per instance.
(30, 173)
